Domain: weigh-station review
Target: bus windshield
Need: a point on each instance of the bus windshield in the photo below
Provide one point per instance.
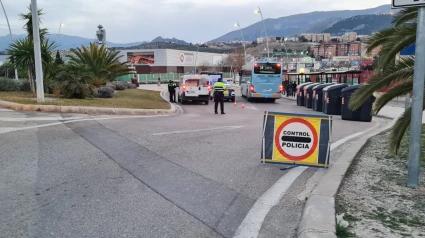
(267, 68)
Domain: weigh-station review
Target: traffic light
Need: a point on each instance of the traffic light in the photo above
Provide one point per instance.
(241, 73)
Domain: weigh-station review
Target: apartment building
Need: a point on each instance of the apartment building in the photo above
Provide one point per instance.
(328, 50)
(323, 37)
(349, 36)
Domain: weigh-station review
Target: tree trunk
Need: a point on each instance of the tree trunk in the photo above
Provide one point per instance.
(31, 81)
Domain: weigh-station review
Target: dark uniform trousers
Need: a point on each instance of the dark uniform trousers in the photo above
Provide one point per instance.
(219, 98)
(172, 92)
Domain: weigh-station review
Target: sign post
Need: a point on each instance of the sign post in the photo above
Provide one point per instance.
(418, 92)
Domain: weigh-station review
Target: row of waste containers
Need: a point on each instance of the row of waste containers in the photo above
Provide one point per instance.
(333, 99)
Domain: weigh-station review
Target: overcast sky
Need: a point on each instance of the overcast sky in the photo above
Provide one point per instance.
(142, 20)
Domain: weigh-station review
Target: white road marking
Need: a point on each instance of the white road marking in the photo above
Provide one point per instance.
(343, 140)
(251, 225)
(5, 110)
(11, 119)
(207, 129)
(10, 129)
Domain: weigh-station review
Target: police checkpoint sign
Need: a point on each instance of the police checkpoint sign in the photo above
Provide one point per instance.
(296, 139)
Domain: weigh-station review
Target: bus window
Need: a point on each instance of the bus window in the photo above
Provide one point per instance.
(267, 68)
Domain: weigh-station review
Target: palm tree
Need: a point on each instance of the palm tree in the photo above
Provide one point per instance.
(389, 72)
(74, 81)
(103, 64)
(22, 55)
(28, 26)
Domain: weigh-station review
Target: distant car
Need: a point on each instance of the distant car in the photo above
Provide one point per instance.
(229, 93)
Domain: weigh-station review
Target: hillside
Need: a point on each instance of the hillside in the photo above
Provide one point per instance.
(363, 25)
(299, 23)
(172, 40)
(167, 45)
(64, 42)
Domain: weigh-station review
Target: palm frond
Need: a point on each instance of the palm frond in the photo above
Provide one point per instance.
(400, 90)
(405, 15)
(395, 73)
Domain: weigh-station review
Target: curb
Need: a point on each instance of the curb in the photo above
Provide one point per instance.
(318, 219)
(90, 110)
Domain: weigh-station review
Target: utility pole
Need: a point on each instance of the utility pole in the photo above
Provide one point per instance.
(37, 52)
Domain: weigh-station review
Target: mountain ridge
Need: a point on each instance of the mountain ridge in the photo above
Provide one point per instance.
(299, 23)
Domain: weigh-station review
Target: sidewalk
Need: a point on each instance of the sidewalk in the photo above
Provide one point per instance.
(154, 87)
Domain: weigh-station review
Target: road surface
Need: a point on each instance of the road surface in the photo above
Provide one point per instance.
(195, 174)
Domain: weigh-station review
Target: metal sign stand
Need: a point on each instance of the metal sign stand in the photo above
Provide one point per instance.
(264, 137)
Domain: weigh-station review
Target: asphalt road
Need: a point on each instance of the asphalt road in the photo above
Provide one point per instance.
(195, 174)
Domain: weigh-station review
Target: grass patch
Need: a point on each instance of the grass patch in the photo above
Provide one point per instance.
(343, 232)
(130, 98)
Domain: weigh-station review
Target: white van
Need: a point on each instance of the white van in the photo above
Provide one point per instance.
(194, 88)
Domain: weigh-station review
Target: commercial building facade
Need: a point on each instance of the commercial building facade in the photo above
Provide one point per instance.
(161, 61)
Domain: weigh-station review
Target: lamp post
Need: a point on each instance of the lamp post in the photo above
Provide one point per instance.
(10, 32)
(258, 11)
(37, 52)
(60, 26)
(243, 40)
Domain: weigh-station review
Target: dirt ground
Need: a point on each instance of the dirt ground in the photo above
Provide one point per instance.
(374, 199)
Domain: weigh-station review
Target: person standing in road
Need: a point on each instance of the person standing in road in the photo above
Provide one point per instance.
(219, 88)
(294, 88)
(172, 91)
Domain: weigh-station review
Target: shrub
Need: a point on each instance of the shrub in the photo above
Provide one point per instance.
(74, 82)
(132, 86)
(111, 85)
(9, 85)
(25, 86)
(120, 86)
(105, 92)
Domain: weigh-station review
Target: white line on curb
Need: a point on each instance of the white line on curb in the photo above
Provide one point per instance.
(208, 129)
(251, 225)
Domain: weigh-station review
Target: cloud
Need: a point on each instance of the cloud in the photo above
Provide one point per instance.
(140, 20)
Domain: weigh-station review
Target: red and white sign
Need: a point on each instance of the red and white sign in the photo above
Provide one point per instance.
(186, 59)
(296, 139)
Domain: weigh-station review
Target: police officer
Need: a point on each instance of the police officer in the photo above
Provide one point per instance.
(219, 88)
(172, 91)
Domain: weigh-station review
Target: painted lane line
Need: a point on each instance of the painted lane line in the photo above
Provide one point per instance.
(19, 119)
(5, 110)
(29, 127)
(251, 225)
(198, 130)
(345, 139)
(9, 129)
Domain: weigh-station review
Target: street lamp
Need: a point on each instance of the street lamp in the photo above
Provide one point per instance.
(10, 32)
(37, 52)
(243, 40)
(258, 11)
(60, 26)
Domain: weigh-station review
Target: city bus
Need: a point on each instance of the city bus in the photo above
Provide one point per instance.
(265, 82)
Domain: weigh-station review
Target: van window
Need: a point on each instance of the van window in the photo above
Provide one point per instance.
(192, 82)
